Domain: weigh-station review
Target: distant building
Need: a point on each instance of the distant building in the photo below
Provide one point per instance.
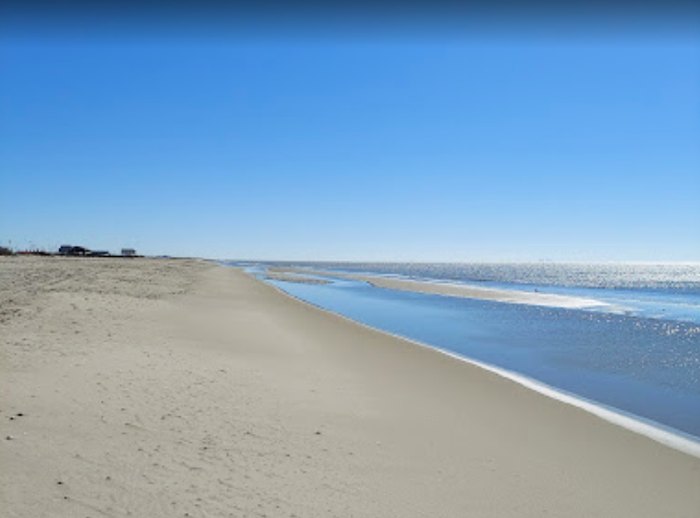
(73, 250)
(128, 252)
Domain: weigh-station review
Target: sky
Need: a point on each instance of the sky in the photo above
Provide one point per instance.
(468, 146)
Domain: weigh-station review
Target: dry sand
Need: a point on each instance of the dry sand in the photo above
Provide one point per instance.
(156, 388)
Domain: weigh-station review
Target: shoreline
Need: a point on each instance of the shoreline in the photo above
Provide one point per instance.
(184, 388)
(665, 435)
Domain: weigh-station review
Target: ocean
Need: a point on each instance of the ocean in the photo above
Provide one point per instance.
(637, 354)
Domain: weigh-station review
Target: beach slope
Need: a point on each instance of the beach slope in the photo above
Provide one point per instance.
(167, 388)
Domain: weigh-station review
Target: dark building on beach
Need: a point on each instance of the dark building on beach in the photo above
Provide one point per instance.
(73, 250)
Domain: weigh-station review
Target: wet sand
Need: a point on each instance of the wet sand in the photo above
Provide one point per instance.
(294, 277)
(182, 388)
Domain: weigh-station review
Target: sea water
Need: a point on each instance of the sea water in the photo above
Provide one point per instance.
(639, 354)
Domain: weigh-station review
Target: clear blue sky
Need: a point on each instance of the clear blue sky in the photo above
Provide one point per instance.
(452, 149)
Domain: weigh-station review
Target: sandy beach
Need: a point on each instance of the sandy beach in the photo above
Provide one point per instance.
(164, 388)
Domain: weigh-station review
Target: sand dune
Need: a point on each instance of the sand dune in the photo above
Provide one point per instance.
(161, 388)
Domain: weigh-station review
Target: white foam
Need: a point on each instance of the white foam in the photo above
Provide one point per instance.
(508, 296)
(648, 429)
(532, 298)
